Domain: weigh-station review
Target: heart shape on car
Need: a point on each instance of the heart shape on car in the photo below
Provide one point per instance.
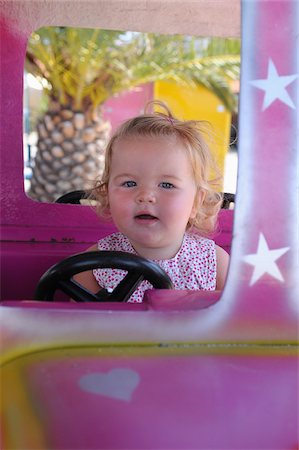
(118, 384)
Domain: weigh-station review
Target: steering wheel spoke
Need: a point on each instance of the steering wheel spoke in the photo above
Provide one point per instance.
(128, 285)
(77, 292)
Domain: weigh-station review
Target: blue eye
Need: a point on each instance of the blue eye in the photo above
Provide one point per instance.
(166, 185)
(129, 184)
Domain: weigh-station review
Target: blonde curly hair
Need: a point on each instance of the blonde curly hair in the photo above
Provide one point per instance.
(190, 134)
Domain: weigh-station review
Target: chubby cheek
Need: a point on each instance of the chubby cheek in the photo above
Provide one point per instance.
(178, 210)
(119, 203)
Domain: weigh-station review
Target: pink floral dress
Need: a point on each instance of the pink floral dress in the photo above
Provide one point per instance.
(192, 268)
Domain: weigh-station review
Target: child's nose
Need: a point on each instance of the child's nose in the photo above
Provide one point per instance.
(145, 196)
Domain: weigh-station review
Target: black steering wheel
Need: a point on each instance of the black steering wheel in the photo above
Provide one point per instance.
(59, 276)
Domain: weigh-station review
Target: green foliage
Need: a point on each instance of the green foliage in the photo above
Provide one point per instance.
(85, 67)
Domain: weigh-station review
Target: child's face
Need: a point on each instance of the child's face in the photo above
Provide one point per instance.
(152, 193)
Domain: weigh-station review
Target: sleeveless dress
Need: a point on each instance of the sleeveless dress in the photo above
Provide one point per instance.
(192, 268)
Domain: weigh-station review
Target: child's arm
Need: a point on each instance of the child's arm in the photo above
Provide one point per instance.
(222, 267)
(86, 278)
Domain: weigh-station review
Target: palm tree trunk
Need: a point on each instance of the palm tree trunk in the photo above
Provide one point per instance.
(70, 152)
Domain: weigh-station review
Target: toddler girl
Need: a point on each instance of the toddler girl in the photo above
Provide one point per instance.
(156, 187)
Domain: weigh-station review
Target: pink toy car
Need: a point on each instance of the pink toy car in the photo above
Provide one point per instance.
(183, 370)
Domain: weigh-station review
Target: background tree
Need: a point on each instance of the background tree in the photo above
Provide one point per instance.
(81, 68)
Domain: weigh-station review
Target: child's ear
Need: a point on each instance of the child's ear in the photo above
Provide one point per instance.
(199, 198)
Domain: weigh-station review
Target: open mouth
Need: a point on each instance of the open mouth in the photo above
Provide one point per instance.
(146, 217)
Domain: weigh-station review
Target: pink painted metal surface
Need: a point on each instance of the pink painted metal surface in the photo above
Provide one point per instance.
(118, 400)
(186, 369)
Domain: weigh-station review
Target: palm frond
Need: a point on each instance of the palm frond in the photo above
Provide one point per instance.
(84, 66)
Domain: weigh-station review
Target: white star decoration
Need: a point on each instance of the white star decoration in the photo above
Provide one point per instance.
(275, 87)
(264, 261)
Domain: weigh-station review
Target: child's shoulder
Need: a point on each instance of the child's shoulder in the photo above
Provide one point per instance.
(117, 236)
(193, 238)
(197, 246)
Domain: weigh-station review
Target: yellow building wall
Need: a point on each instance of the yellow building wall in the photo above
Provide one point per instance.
(198, 103)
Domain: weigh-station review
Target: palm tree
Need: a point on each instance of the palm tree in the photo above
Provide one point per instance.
(82, 68)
